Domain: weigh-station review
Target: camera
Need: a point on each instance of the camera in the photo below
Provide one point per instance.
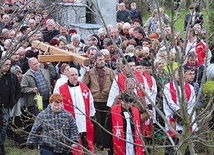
(127, 97)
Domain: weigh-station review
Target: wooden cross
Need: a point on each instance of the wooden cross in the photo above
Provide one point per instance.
(59, 55)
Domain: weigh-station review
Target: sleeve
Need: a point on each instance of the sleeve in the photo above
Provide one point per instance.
(82, 73)
(114, 91)
(56, 87)
(25, 88)
(107, 137)
(86, 78)
(51, 70)
(37, 126)
(73, 129)
(18, 90)
(92, 109)
(118, 17)
(168, 103)
(147, 25)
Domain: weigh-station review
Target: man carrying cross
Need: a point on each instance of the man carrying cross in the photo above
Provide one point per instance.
(78, 100)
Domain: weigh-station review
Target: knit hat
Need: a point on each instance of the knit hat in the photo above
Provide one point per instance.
(15, 69)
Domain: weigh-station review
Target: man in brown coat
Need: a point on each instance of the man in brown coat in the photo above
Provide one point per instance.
(99, 79)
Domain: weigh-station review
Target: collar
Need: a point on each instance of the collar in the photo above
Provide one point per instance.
(72, 85)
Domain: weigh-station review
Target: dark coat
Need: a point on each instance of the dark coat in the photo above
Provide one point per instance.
(15, 90)
(123, 16)
(136, 14)
(48, 35)
(198, 20)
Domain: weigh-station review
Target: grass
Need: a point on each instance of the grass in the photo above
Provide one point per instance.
(179, 20)
(12, 149)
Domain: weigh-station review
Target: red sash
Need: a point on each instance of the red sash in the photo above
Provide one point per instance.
(118, 130)
(147, 128)
(149, 80)
(122, 78)
(68, 105)
(174, 98)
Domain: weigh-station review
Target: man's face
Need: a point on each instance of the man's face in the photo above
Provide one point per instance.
(6, 66)
(111, 48)
(56, 107)
(34, 65)
(100, 61)
(137, 35)
(114, 34)
(131, 34)
(63, 30)
(122, 7)
(147, 69)
(50, 26)
(146, 44)
(189, 75)
(125, 30)
(91, 54)
(139, 69)
(73, 76)
(76, 43)
(167, 31)
(192, 61)
(132, 65)
(133, 6)
(38, 19)
(15, 56)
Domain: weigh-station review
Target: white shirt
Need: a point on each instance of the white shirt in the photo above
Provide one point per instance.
(79, 107)
(62, 80)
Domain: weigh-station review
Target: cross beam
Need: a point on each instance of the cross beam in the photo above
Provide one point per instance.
(58, 55)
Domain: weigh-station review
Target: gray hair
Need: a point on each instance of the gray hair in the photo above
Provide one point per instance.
(158, 60)
(15, 69)
(75, 37)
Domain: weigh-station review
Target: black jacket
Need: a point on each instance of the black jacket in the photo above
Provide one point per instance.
(198, 20)
(48, 35)
(15, 90)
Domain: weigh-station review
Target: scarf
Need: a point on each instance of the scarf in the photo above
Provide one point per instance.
(101, 76)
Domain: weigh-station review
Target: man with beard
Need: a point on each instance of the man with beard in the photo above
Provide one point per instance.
(99, 80)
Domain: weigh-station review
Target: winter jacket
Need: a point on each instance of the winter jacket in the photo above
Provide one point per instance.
(91, 79)
(29, 83)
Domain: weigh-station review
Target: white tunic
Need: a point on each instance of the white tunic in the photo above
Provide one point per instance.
(79, 107)
(169, 106)
(115, 90)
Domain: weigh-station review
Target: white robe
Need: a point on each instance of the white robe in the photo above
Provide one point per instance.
(115, 90)
(169, 106)
(79, 107)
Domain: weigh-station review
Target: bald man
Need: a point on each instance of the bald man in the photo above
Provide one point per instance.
(78, 100)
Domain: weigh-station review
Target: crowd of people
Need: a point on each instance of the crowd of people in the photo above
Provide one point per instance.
(109, 104)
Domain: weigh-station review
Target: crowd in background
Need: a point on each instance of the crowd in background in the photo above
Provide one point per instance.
(153, 51)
